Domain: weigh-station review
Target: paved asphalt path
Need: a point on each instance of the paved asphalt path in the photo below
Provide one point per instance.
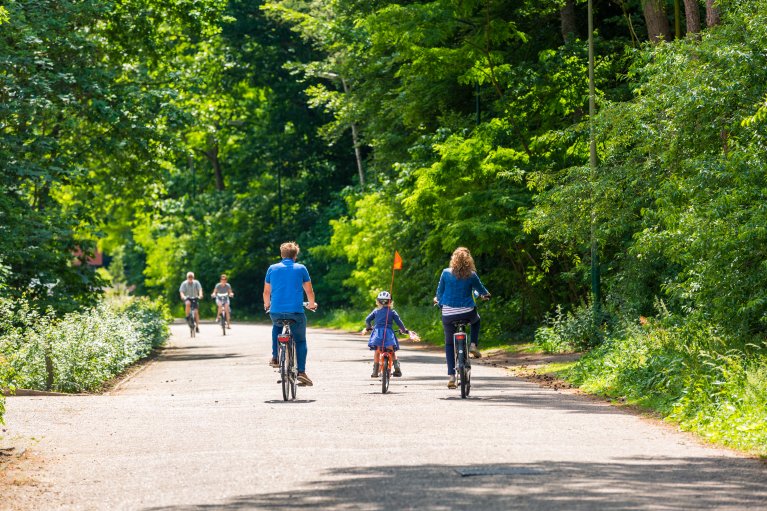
(204, 427)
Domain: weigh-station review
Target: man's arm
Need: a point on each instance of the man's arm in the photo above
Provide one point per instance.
(267, 295)
(309, 290)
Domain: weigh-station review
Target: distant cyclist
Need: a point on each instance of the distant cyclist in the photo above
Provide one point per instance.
(191, 288)
(284, 288)
(222, 292)
(455, 294)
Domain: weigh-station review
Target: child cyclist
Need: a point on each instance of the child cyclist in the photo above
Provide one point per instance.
(380, 321)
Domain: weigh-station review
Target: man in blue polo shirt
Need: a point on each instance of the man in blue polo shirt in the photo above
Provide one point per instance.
(284, 288)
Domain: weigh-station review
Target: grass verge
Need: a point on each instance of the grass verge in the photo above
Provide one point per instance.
(688, 374)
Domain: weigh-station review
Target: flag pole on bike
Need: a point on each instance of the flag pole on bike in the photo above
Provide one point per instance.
(396, 265)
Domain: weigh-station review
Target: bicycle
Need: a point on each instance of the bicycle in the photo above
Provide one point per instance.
(286, 356)
(191, 319)
(461, 354)
(386, 359)
(222, 300)
(287, 359)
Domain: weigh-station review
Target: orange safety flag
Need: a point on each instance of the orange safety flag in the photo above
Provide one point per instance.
(397, 261)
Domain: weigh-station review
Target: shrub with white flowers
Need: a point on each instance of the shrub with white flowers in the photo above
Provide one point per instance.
(79, 351)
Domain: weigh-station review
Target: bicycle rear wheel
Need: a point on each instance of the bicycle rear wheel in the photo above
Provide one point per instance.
(463, 374)
(284, 373)
(385, 373)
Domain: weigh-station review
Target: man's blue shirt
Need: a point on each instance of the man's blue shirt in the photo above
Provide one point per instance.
(287, 280)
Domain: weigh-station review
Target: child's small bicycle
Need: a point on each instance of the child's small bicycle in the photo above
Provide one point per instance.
(386, 359)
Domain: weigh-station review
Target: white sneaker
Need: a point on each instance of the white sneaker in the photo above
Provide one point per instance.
(451, 382)
(474, 351)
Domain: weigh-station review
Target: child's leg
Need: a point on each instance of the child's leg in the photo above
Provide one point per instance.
(376, 359)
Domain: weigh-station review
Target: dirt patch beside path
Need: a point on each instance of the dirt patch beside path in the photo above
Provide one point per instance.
(530, 366)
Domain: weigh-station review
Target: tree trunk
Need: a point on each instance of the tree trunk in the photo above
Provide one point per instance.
(569, 22)
(656, 20)
(48, 366)
(712, 13)
(692, 15)
(212, 155)
(355, 142)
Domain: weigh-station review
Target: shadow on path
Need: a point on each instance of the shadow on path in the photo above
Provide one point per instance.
(185, 357)
(657, 483)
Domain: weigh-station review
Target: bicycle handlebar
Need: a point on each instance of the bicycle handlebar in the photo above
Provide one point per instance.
(306, 306)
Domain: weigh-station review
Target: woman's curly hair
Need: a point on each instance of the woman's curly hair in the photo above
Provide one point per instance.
(461, 263)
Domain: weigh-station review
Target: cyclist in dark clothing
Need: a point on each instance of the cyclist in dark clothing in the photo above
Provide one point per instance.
(455, 295)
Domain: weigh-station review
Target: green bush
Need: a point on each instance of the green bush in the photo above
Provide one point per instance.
(574, 330)
(6, 375)
(81, 350)
(151, 317)
(689, 373)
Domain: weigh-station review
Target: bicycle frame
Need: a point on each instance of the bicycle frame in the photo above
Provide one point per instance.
(461, 354)
(287, 359)
(222, 313)
(386, 358)
(460, 348)
(191, 319)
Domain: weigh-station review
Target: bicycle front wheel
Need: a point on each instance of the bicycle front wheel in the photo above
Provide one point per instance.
(223, 322)
(385, 374)
(293, 371)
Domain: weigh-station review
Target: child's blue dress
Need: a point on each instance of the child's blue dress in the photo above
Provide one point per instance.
(383, 327)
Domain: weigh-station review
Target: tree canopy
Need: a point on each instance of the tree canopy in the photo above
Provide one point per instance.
(200, 134)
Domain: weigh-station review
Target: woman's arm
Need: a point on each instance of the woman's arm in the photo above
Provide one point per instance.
(440, 287)
(477, 285)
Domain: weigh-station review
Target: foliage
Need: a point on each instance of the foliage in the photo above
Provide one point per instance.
(575, 330)
(689, 373)
(200, 134)
(85, 348)
(150, 317)
(85, 129)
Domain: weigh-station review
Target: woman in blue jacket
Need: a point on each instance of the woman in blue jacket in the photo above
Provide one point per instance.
(455, 295)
